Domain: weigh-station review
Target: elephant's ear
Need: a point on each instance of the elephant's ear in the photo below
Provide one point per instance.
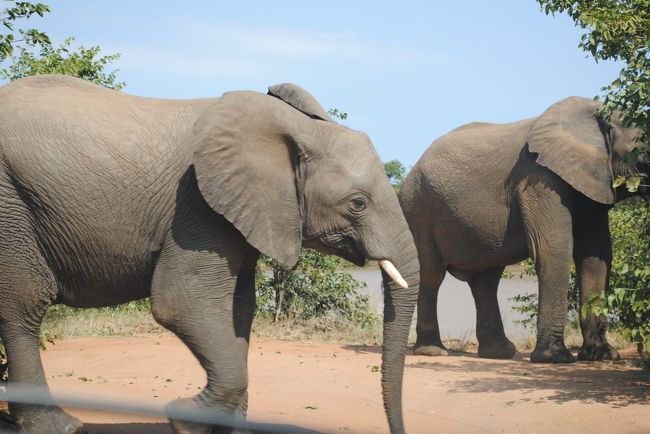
(300, 99)
(245, 160)
(568, 140)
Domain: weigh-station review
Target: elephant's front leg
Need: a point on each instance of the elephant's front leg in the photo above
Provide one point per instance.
(592, 253)
(547, 222)
(553, 274)
(203, 292)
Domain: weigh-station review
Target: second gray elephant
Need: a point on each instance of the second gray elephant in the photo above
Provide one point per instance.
(487, 195)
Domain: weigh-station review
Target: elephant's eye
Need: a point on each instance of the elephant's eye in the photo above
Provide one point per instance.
(358, 204)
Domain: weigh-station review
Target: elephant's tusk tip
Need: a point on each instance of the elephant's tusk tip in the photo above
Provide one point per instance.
(402, 283)
(392, 272)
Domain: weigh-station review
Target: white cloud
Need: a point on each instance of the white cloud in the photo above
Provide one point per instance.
(197, 48)
(190, 64)
(271, 40)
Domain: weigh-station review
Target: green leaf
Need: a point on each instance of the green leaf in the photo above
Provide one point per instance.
(620, 180)
(632, 183)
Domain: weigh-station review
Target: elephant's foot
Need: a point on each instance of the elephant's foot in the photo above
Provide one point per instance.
(600, 352)
(47, 420)
(430, 350)
(7, 422)
(501, 350)
(180, 410)
(554, 353)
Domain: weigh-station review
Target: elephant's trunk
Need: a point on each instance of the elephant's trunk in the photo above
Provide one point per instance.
(399, 305)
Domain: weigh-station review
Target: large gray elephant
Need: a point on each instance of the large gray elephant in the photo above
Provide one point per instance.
(487, 195)
(107, 198)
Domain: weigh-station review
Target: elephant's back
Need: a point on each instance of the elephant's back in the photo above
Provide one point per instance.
(96, 168)
(60, 126)
(476, 155)
(472, 157)
(459, 187)
(104, 119)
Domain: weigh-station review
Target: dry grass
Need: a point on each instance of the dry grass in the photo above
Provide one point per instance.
(325, 329)
(133, 319)
(572, 339)
(129, 320)
(524, 342)
(465, 343)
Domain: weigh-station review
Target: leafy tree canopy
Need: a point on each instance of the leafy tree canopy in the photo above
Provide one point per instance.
(82, 63)
(336, 113)
(616, 30)
(14, 11)
(395, 172)
(29, 51)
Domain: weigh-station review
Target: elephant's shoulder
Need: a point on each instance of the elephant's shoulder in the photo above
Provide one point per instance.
(482, 129)
(474, 148)
(486, 135)
(472, 126)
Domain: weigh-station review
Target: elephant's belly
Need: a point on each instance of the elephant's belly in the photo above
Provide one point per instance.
(85, 289)
(474, 251)
(101, 294)
(98, 258)
(102, 275)
(467, 269)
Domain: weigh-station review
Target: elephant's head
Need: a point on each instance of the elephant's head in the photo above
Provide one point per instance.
(286, 176)
(584, 149)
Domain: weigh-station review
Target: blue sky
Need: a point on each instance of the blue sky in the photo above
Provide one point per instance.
(406, 73)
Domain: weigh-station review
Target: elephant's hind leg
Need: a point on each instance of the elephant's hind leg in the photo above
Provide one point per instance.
(592, 254)
(432, 273)
(27, 288)
(492, 340)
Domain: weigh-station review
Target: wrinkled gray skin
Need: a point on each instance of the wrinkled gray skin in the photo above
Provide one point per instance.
(487, 195)
(108, 198)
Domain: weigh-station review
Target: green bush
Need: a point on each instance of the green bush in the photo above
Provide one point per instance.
(526, 304)
(628, 303)
(82, 63)
(315, 287)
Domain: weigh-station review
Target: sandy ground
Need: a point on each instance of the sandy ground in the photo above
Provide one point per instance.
(335, 388)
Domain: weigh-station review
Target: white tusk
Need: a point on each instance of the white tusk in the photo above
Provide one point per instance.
(392, 272)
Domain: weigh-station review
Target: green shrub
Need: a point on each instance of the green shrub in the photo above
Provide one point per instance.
(315, 287)
(527, 306)
(628, 303)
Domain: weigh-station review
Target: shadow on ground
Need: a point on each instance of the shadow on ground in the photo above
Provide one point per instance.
(363, 349)
(127, 428)
(617, 384)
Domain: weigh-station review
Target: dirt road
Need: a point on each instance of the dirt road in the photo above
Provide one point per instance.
(335, 388)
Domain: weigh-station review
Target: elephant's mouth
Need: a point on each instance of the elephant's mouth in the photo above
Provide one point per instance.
(335, 244)
(354, 257)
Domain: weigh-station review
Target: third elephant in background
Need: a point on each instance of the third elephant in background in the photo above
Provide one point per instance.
(488, 195)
